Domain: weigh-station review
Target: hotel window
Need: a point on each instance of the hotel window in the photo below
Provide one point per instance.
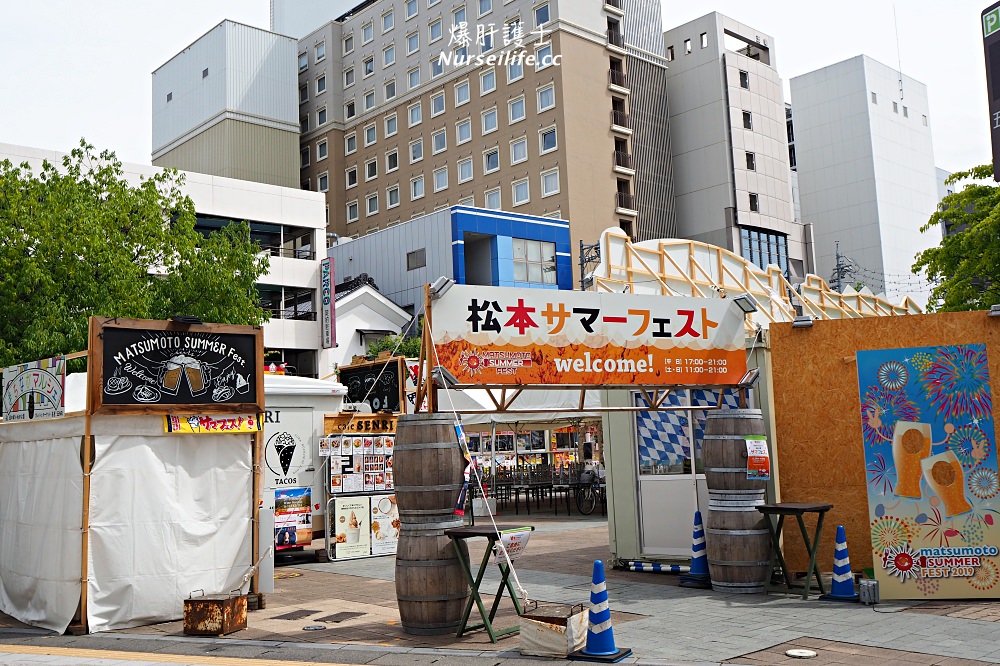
(458, 16)
(515, 70)
(747, 120)
(348, 77)
(463, 131)
(487, 41)
(351, 176)
(754, 203)
(371, 204)
(413, 78)
(304, 124)
(303, 94)
(303, 62)
(416, 150)
(439, 142)
(465, 170)
(370, 135)
(518, 150)
(491, 160)
(391, 160)
(321, 84)
(352, 211)
(519, 188)
(487, 82)
(390, 125)
(751, 162)
(542, 14)
(441, 179)
(321, 150)
(388, 21)
(320, 51)
(350, 144)
(543, 57)
(412, 42)
(415, 114)
(546, 98)
(416, 188)
(534, 261)
(435, 31)
(461, 93)
(490, 120)
(390, 89)
(515, 110)
(324, 182)
(485, 7)
(416, 259)
(437, 104)
(437, 67)
(371, 170)
(348, 44)
(304, 157)
(392, 197)
(367, 33)
(321, 116)
(550, 182)
(389, 55)
(468, 201)
(744, 79)
(547, 140)
(369, 100)
(493, 199)
(411, 8)
(368, 66)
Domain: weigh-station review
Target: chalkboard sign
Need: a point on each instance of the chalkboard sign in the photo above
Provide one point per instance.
(379, 383)
(154, 366)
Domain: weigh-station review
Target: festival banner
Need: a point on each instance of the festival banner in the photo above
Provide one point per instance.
(498, 335)
(931, 468)
(292, 518)
(211, 425)
(34, 390)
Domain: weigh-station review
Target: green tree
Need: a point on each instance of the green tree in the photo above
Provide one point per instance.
(966, 265)
(403, 346)
(81, 240)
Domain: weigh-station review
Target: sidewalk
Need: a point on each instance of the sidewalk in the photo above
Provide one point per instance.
(346, 612)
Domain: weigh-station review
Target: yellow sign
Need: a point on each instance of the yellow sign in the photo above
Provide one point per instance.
(211, 425)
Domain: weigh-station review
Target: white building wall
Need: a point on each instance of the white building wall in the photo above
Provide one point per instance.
(298, 18)
(866, 171)
(251, 77)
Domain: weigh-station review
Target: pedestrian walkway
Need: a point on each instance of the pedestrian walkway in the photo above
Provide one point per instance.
(345, 612)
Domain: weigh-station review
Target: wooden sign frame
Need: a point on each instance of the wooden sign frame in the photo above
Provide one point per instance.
(401, 371)
(252, 366)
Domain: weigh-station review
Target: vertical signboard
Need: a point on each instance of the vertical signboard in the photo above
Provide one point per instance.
(352, 527)
(991, 49)
(327, 314)
(292, 518)
(34, 390)
(931, 467)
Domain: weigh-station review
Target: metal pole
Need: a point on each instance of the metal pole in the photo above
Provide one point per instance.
(840, 288)
(693, 444)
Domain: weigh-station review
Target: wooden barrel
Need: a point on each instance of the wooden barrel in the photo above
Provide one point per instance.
(724, 449)
(429, 467)
(737, 542)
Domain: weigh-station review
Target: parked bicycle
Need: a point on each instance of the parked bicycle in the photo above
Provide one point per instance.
(589, 493)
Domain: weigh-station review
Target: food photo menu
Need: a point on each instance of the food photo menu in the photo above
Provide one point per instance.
(359, 463)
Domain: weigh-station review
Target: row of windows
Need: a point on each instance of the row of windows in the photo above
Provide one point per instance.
(547, 142)
(763, 248)
(519, 189)
(895, 109)
(703, 39)
(435, 29)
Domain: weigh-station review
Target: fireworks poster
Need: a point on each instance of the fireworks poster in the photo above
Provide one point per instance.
(931, 469)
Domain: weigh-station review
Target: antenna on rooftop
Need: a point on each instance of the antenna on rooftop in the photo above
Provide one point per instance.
(899, 59)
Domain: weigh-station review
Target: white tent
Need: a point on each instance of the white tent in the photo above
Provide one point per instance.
(556, 407)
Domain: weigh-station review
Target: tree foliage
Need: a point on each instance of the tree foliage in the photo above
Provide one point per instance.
(966, 265)
(81, 240)
(403, 346)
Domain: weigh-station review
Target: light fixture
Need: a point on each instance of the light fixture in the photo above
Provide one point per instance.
(442, 378)
(185, 320)
(440, 286)
(746, 302)
(802, 321)
(994, 310)
(750, 378)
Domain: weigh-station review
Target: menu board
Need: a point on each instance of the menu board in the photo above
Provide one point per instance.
(352, 527)
(385, 524)
(360, 463)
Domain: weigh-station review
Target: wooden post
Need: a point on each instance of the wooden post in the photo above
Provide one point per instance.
(424, 356)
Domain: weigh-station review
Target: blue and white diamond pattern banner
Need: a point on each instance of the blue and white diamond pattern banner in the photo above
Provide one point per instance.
(663, 438)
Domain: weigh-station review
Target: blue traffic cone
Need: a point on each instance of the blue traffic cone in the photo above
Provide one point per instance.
(842, 588)
(600, 636)
(698, 576)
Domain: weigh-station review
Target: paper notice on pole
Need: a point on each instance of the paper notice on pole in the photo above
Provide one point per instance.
(514, 541)
(758, 460)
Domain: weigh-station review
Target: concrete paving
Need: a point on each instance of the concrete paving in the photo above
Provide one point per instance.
(353, 602)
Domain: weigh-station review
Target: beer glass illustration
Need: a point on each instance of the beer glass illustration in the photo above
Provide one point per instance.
(944, 476)
(911, 443)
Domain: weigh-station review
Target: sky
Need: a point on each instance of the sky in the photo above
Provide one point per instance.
(72, 69)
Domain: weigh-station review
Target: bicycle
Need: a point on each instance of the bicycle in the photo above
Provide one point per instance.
(589, 493)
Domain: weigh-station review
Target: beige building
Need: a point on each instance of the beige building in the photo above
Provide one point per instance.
(403, 113)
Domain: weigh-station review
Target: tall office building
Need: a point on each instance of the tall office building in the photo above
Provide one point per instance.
(867, 180)
(225, 106)
(544, 108)
(729, 146)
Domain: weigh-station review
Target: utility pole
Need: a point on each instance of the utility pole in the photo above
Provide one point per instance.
(589, 254)
(839, 273)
